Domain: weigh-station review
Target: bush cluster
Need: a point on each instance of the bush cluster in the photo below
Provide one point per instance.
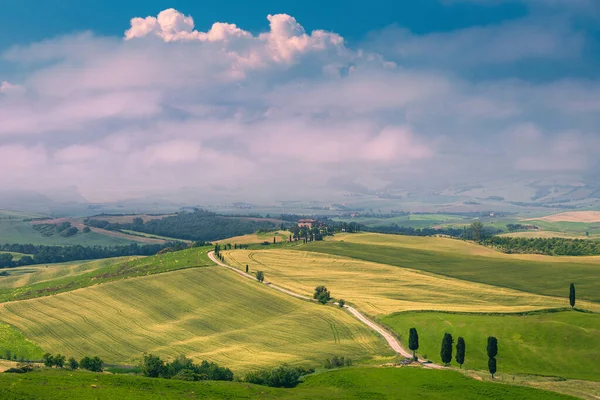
(284, 376)
(184, 369)
(337, 362)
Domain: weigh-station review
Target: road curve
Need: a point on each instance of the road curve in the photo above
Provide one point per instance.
(391, 340)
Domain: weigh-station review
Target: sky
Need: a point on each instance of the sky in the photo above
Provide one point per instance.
(294, 99)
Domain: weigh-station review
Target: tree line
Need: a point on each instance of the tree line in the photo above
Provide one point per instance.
(38, 254)
(461, 348)
(547, 246)
(198, 225)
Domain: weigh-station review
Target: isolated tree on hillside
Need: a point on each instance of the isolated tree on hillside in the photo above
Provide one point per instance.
(492, 352)
(572, 295)
(492, 366)
(446, 352)
(492, 347)
(413, 341)
(260, 276)
(246, 268)
(477, 228)
(460, 351)
(322, 294)
(341, 303)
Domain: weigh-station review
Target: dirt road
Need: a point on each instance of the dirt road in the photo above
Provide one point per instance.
(389, 338)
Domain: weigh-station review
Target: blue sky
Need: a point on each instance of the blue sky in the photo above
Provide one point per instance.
(33, 20)
(107, 97)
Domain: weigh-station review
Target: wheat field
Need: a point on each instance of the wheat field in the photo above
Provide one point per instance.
(383, 289)
(204, 313)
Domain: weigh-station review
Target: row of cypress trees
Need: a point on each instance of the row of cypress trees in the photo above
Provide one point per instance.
(446, 351)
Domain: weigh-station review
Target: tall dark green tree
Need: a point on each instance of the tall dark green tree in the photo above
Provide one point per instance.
(460, 351)
(572, 295)
(413, 341)
(492, 347)
(446, 352)
(260, 276)
(492, 352)
(492, 366)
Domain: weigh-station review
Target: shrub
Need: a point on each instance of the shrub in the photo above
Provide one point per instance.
(20, 369)
(152, 366)
(94, 364)
(337, 362)
(186, 375)
(48, 360)
(283, 376)
(322, 294)
(341, 303)
(73, 364)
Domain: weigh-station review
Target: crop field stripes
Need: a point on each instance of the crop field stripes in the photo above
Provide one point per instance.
(204, 313)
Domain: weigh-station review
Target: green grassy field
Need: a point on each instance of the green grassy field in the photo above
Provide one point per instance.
(203, 313)
(13, 343)
(352, 383)
(18, 231)
(254, 238)
(413, 220)
(148, 235)
(107, 270)
(458, 259)
(553, 344)
(20, 277)
(383, 289)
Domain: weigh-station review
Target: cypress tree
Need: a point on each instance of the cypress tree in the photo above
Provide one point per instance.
(460, 351)
(572, 295)
(492, 347)
(413, 341)
(446, 352)
(492, 366)
(246, 268)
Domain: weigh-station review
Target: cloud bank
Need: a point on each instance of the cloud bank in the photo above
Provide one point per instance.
(289, 114)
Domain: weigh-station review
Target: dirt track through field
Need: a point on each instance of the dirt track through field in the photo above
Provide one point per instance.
(391, 340)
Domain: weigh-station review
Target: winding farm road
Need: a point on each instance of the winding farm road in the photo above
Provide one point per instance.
(391, 340)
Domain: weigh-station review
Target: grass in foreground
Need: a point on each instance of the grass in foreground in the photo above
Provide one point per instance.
(553, 344)
(352, 383)
(531, 273)
(204, 313)
(383, 289)
(109, 270)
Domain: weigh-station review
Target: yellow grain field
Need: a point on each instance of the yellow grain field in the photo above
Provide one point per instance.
(380, 289)
(205, 313)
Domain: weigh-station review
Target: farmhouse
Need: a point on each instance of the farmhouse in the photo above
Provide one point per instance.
(306, 222)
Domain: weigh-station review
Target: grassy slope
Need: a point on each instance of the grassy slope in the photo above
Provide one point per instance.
(458, 259)
(114, 269)
(254, 238)
(554, 344)
(13, 341)
(17, 231)
(32, 274)
(354, 383)
(201, 312)
(383, 289)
